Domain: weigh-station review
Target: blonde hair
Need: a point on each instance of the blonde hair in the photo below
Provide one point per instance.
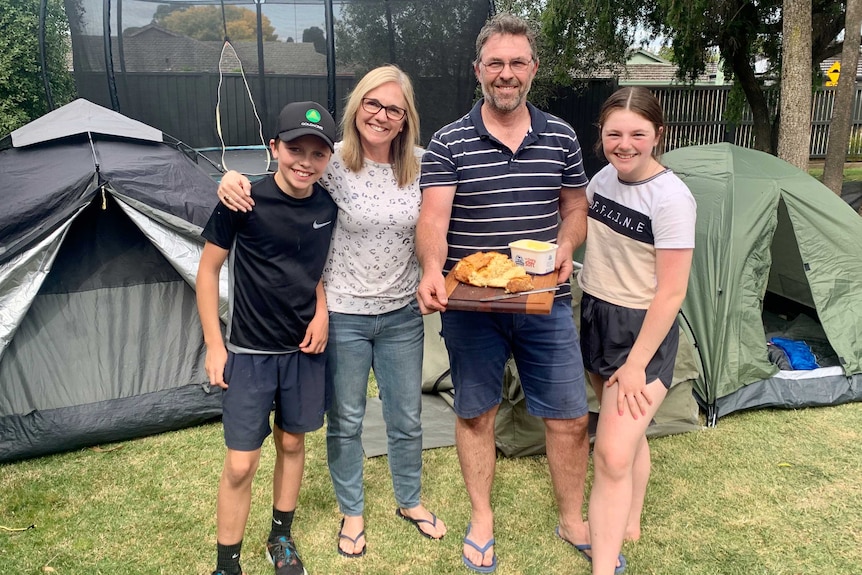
(402, 154)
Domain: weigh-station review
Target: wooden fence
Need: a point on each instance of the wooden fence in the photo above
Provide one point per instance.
(697, 115)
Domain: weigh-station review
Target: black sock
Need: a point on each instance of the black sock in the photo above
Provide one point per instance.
(228, 558)
(281, 522)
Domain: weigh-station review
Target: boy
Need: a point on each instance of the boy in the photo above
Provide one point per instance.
(276, 331)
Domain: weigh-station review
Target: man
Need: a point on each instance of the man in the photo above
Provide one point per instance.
(503, 172)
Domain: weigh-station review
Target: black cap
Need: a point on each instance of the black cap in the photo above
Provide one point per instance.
(306, 118)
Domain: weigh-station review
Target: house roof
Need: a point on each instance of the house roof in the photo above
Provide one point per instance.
(645, 68)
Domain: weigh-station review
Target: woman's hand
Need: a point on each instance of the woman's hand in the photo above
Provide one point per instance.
(234, 191)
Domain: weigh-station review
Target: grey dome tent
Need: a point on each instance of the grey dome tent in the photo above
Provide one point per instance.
(777, 253)
(99, 334)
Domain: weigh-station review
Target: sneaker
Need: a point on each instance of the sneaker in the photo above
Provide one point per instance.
(283, 555)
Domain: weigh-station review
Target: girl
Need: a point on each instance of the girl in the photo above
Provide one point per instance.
(635, 275)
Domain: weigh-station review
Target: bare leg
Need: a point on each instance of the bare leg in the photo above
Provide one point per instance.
(477, 453)
(568, 447)
(640, 479)
(289, 462)
(234, 495)
(618, 440)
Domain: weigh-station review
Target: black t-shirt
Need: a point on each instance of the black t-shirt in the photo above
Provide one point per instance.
(277, 254)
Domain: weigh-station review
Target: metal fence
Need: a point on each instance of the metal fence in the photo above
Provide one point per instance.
(696, 115)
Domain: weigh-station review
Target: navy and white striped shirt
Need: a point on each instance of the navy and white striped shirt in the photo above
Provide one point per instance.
(501, 197)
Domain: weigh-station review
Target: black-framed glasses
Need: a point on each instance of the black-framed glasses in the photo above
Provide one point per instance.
(517, 66)
(372, 106)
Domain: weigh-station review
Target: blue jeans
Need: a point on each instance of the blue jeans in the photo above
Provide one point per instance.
(391, 345)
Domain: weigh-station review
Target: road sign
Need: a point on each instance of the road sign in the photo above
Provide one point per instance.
(832, 74)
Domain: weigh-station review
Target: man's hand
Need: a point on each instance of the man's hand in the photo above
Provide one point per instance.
(432, 293)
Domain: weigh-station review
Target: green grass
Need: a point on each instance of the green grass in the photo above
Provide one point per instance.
(765, 492)
(852, 172)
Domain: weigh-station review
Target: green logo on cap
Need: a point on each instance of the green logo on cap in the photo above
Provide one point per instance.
(312, 115)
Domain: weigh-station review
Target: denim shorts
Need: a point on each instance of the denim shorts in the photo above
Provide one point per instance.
(545, 349)
(609, 331)
(293, 382)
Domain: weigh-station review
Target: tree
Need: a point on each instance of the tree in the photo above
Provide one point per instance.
(842, 115)
(794, 134)
(316, 36)
(207, 23)
(22, 90)
(596, 30)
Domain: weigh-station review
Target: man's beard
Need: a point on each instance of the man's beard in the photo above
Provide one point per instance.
(503, 103)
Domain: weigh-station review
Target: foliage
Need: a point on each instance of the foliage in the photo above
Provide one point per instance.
(22, 90)
(207, 23)
(594, 33)
(426, 39)
(591, 36)
(316, 36)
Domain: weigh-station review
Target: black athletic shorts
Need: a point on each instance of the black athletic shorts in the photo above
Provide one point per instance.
(608, 332)
(294, 382)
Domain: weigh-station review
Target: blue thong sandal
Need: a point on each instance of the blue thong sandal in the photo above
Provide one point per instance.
(416, 522)
(479, 568)
(584, 547)
(353, 540)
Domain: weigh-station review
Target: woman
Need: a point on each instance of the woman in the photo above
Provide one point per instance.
(370, 279)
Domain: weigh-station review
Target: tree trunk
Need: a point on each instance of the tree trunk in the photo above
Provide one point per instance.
(794, 128)
(761, 118)
(842, 110)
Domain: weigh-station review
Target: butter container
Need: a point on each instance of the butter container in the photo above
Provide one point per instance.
(536, 257)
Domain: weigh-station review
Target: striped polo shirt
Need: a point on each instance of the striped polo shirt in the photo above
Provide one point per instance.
(501, 197)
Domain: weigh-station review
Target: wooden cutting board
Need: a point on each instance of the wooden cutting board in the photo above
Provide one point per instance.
(465, 297)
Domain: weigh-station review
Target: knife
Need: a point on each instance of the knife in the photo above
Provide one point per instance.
(518, 294)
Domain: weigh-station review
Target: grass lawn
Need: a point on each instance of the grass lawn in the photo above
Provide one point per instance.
(852, 172)
(765, 492)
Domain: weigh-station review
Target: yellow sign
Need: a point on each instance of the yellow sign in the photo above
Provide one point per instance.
(832, 74)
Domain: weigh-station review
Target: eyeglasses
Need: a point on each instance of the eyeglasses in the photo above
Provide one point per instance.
(517, 66)
(392, 112)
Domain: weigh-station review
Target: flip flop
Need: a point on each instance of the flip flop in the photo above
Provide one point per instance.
(416, 523)
(479, 568)
(353, 540)
(584, 547)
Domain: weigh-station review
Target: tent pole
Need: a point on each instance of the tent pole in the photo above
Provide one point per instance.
(109, 58)
(330, 57)
(43, 63)
(260, 64)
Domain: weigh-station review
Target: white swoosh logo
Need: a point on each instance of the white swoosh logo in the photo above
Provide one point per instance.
(317, 226)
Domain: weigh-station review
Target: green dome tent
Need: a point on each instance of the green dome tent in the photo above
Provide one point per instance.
(775, 250)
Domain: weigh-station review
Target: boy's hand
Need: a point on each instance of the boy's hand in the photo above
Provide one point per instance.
(316, 335)
(215, 361)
